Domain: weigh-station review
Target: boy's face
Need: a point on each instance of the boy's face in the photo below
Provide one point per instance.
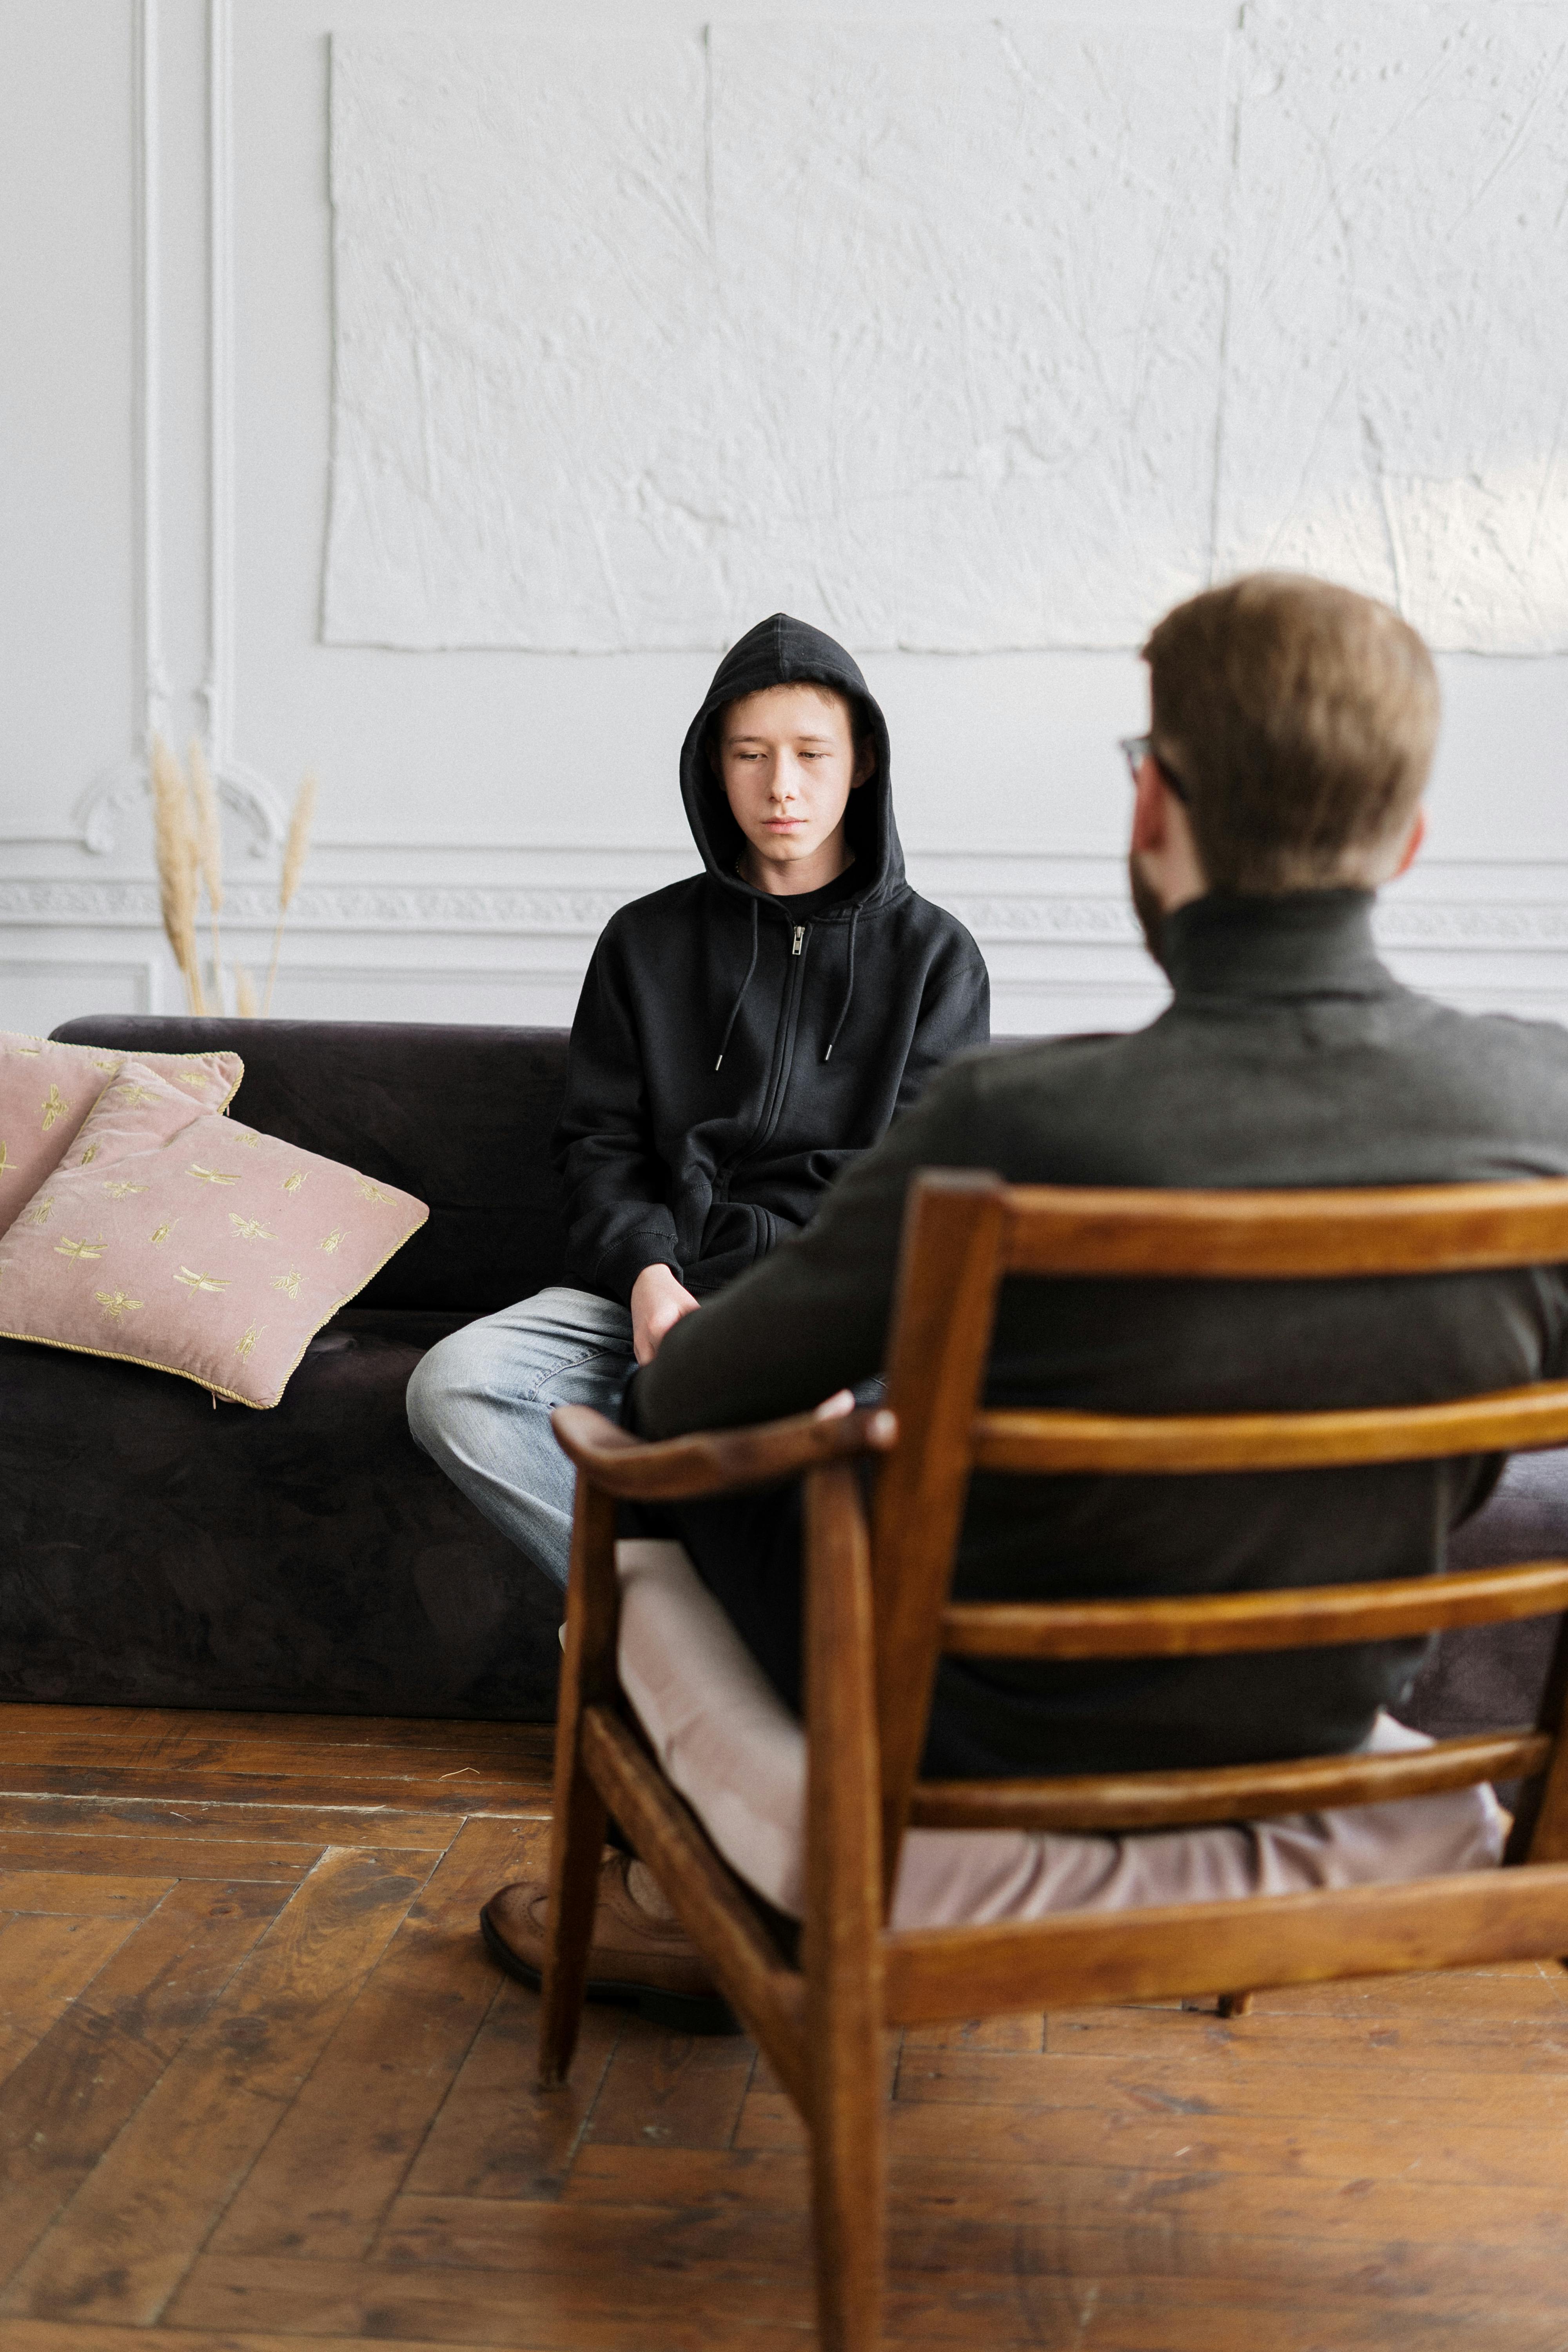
(787, 760)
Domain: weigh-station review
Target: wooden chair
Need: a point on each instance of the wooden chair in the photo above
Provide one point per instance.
(878, 1617)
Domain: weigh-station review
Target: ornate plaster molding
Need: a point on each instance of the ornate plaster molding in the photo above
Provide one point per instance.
(1041, 918)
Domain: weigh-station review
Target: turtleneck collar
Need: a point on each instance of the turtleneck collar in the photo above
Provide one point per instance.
(1304, 943)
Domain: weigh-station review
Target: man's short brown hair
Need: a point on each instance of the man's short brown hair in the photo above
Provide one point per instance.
(1299, 719)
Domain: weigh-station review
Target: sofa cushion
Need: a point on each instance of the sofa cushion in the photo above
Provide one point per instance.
(46, 1090)
(186, 1240)
(460, 1116)
(738, 1757)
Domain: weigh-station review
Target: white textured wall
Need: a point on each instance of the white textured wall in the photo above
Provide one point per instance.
(1166, 295)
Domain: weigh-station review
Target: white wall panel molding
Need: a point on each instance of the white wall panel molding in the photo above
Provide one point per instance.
(122, 786)
(248, 793)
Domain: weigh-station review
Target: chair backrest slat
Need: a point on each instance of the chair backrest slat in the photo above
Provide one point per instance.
(1217, 1624)
(1038, 1444)
(1230, 1793)
(1286, 1236)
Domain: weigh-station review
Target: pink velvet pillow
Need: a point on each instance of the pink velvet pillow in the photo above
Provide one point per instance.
(46, 1090)
(187, 1242)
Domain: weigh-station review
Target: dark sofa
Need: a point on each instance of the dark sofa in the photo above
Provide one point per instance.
(158, 1550)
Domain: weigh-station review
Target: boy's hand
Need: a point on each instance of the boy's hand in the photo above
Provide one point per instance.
(659, 1302)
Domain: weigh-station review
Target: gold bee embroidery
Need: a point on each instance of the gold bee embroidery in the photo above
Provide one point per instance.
(289, 1282)
(194, 1281)
(94, 1248)
(88, 1156)
(196, 1079)
(31, 1050)
(116, 1304)
(38, 1214)
(292, 1183)
(211, 1175)
(118, 1191)
(369, 1192)
(331, 1240)
(103, 1060)
(5, 1160)
(54, 1108)
(161, 1233)
(244, 1346)
(252, 1142)
(131, 1094)
(250, 1229)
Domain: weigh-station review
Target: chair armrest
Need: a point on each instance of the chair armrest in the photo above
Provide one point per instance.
(712, 1462)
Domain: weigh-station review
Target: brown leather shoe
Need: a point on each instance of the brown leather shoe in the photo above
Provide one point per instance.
(636, 1959)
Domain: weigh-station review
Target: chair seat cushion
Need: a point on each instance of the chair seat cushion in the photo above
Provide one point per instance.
(737, 1754)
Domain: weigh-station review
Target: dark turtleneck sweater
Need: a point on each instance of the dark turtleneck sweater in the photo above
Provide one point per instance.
(1288, 1056)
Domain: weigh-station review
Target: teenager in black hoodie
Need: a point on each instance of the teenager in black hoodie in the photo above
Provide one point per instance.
(741, 1038)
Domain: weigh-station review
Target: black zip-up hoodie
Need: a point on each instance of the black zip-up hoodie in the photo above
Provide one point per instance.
(732, 1052)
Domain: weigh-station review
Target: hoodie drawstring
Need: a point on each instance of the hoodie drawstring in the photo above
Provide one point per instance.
(849, 989)
(735, 1008)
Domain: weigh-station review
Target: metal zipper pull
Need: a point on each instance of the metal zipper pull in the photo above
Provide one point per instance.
(799, 939)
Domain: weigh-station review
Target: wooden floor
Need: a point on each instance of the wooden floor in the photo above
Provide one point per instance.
(260, 2087)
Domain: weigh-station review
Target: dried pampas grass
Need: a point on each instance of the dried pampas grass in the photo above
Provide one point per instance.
(295, 851)
(245, 1002)
(178, 858)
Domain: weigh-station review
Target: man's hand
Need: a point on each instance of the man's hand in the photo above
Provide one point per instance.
(659, 1302)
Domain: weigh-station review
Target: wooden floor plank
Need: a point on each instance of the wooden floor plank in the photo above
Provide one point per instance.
(1113, 2222)
(523, 1797)
(281, 1863)
(339, 2157)
(498, 2135)
(1243, 2084)
(63, 2105)
(1024, 2032)
(122, 2244)
(1322, 2147)
(1476, 2043)
(129, 1728)
(1092, 2316)
(570, 2295)
(93, 2335)
(104, 1817)
(355, 1759)
(45, 1962)
(669, 2090)
(71, 1895)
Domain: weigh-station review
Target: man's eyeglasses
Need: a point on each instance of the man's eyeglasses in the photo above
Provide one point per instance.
(1136, 749)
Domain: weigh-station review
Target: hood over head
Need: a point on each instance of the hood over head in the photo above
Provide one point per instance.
(781, 651)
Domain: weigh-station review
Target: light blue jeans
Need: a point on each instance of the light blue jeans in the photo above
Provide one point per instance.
(480, 1405)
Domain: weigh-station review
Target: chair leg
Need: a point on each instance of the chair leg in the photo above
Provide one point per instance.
(577, 1834)
(1234, 2004)
(849, 2190)
(576, 1849)
(840, 1946)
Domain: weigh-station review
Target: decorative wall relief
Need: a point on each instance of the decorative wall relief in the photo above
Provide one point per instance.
(1397, 384)
(1001, 337)
(637, 336)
